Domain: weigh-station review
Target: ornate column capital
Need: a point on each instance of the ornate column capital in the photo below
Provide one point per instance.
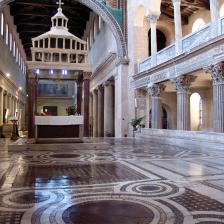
(217, 73)
(156, 90)
(86, 75)
(183, 82)
(108, 83)
(153, 18)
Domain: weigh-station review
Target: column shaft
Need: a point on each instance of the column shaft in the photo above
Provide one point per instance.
(86, 85)
(153, 23)
(95, 113)
(214, 10)
(155, 91)
(32, 100)
(218, 102)
(1, 105)
(183, 110)
(156, 113)
(79, 96)
(178, 25)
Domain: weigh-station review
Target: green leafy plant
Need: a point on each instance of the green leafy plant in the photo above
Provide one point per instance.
(136, 123)
(71, 110)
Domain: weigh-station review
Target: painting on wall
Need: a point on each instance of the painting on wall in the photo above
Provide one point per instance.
(53, 90)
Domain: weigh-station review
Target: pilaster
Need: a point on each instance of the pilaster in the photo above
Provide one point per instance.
(108, 108)
(100, 111)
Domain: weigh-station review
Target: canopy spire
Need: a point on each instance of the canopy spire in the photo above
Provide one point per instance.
(60, 3)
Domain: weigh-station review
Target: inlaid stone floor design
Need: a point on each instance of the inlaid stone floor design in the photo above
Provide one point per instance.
(133, 181)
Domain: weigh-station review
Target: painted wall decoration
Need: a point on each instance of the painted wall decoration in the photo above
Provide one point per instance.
(53, 90)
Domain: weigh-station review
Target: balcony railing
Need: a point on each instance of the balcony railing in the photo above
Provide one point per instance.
(165, 54)
(195, 39)
(187, 43)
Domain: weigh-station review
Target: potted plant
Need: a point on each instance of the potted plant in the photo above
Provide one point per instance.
(71, 110)
(136, 123)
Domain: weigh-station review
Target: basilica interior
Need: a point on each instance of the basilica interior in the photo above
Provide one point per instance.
(111, 111)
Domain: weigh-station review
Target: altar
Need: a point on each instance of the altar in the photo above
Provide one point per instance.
(58, 126)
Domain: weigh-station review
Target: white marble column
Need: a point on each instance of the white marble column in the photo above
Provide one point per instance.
(178, 25)
(153, 23)
(217, 73)
(95, 113)
(100, 111)
(214, 10)
(1, 105)
(183, 101)
(155, 91)
(108, 108)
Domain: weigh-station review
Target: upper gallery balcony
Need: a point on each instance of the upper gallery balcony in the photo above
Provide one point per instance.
(184, 46)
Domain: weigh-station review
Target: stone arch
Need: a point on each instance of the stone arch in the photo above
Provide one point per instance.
(198, 25)
(100, 9)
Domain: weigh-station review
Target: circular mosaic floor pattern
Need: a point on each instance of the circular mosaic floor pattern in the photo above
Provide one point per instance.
(109, 212)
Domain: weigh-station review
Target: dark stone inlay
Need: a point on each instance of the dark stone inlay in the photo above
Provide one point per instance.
(194, 201)
(73, 174)
(64, 156)
(179, 217)
(32, 197)
(108, 212)
(149, 188)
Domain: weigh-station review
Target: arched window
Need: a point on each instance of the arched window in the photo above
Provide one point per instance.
(196, 112)
(198, 25)
(221, 11)
(161, 40)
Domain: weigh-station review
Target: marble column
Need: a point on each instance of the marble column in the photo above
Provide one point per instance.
(79, 95)
(217, 73)
(6, 108)
(108, 108)
(100, 111)
(1, 105)
(86, 86)
(153, 23)
(178, 25)
(155, 91)
(214, 10)
(32, 101)
(95, 113)
(183, 101)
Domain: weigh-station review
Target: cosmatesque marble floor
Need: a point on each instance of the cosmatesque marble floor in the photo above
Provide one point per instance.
(130, 182)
